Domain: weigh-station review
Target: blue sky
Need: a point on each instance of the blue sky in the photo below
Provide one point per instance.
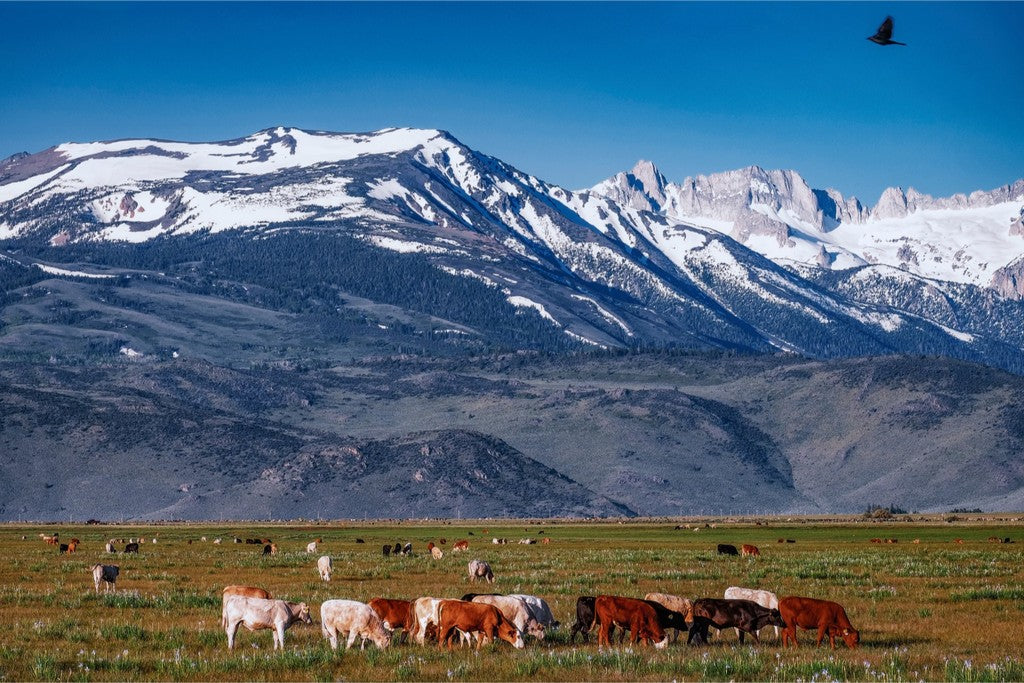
(570, 92)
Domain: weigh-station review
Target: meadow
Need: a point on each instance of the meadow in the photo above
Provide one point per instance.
(933, 610)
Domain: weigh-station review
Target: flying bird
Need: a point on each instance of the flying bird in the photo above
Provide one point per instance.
(884, 34)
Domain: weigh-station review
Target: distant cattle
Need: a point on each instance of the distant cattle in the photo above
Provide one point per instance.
(407, 549)
(584, 618)
(311, 546)
(397, 550)
(258, 613)
(268, 550)
(726, 549)
(460, 546)
(478, 569)
(764, 598)
(324, 566)
(131, 548)
(744, 615)
(105, 574)
(357, 619)
(546, 541)
(472, 617)
(109, 548)
(436, 553)
(829, 618)
(387, 550)
(636, 615)
(396, 614)
(747, 550)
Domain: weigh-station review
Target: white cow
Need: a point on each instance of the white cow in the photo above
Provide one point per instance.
(480, 569)
(425, 613)
(764, 598)
(258, 613)
(357, 619)
(106, 574)
(515, 610)
(437, 553)
(325, 567)
(110, 547)
(539, 610)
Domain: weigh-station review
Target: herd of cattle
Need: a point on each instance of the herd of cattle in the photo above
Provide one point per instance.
(482, 618)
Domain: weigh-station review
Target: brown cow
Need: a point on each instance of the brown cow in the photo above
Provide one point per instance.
(470, 617)
(460, 546)
(747, 550)
(826, 616)
(396, 614)
(636, 615)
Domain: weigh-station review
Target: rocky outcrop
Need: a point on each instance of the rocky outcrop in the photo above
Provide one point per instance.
(1009, 280)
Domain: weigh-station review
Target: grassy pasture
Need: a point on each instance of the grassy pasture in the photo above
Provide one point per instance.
(934, 610)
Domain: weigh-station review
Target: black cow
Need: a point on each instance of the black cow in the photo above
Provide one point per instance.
(584, 618)
(387, 550)
(131, 548)
(267, 550)
(745, 615)
(468, 597)
(726, 549)
(407, 549)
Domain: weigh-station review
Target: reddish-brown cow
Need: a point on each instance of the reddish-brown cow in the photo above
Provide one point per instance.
(826, 616)
(396, 614)
(470, 617)
(636, 615)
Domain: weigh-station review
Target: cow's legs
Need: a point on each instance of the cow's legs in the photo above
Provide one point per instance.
(352, 635)
(232, 631)
(821, 634)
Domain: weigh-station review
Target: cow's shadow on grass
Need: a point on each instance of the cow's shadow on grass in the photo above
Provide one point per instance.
(888, 643)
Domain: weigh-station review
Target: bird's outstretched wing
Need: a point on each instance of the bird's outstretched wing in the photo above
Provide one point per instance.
(885, 30)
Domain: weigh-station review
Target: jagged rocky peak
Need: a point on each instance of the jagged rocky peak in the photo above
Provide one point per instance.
(1008, 281)
(641, 188)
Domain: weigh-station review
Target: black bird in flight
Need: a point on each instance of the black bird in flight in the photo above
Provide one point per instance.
(884, 34)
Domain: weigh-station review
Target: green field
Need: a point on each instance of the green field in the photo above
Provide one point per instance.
(931, 610)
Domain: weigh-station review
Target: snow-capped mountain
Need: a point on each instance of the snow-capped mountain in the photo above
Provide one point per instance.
(636, 261)
(971, 239)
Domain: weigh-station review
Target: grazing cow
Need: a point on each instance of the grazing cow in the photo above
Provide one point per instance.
(726, 549)
(216, 541)
(747, 550)
(324, 566)
(637, 615)
(407, 549)
(244, 591)
(584, 618)
(50, 540)
(387, 550)
(110, 547)
(357, 619)
(763, 598)
(106, 574)
(745, 615)
(545, 541)
(539, 609)
(436, 552)
(480, 569)
(396, 614)
(826, 616)
(258, 613)
(460, 546)
(397, 550)
(311, 546)
(131, 548)
(516, 611)
(472, 617)
(527, 541)
(268, 550)
(425, 613)
(674, 603)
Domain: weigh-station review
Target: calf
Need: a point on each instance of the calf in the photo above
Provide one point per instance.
(357, 619)
(131, 548)
(324, 566)
(763, 598)
(826, 616)
(396, 614)
(257, 613)
(745, 615)
(726, 549)
(639, 616)
(747, 550)
(472, 617)
(478, 569)
(516, 611)
(245, 591)
(584, 618)
(106, 574)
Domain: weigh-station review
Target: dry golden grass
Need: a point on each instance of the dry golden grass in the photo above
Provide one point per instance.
(934, 610)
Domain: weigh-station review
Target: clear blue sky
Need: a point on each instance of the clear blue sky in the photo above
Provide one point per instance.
(570, 92)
